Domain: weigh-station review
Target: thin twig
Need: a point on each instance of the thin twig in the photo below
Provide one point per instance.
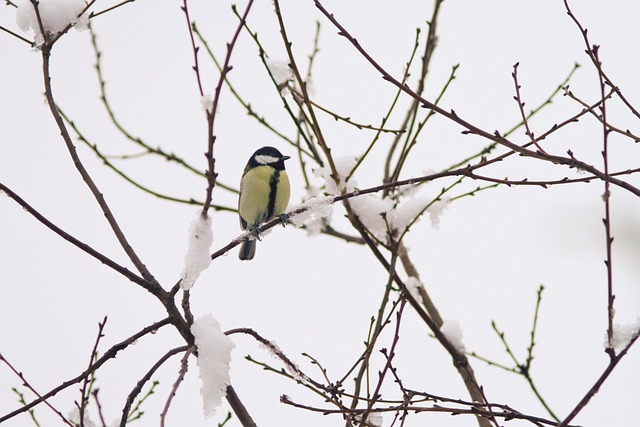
(523, 115)
(136, 412)
(194, 47)
(109, 9)
(86, 177)
(381, 321)
(22, 401)
(184, 366)
(170, 157)
(85, 391)
(300, 126)
(596, 62)
(560, 88)
(390, 110)
(94, 393)
(108, 355)
(16, 35)
(606, 197)
(474, 408)
(138, 388)
(387, 366)
(306, 100)
(613, 362)
(247, 106)
(211, 115)
(469, 128)
(121, 173)
(69, 238)
(26, 406)
(612, 128)
(465, 171)
(276, 351)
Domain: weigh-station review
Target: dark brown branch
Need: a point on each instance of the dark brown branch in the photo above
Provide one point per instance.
(33, 390)
(606, 197)
(109, 354)
(195, 48)
(596, 61)
(306, 100)
(239, 409)
(69, 238)
(211, 115)
(142, 269)
(523, 115)
(475, 408)
(612, 128)
(85, 390)
(569, 161)
(291, 366)
(387, 366)
(596, 386)
(464, 171)
(94, 393)
(16, 35)
(109, 9)
(138, 388)
(184, 366)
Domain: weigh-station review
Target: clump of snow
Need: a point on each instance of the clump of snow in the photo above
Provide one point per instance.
(206, 101)
(289, 366)
(56, 15)
(214, 358)
(453, 332)
(317, 208)
(406, 212)
(413, 285)
(436, 210)
(344, 166)
(281, 71)
(74, 418)
(373, 211)
(373, 419)
(198, 255)
(381, 215)
(623, 334)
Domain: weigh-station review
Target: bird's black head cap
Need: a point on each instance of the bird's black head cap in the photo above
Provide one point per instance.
(268, 156)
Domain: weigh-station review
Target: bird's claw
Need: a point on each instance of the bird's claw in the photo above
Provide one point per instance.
(255, 232)
(283, 219)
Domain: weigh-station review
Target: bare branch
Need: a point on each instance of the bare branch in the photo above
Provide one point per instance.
(211, 115)
(108, 355)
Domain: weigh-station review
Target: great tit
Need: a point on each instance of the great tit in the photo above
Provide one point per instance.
(264, 194)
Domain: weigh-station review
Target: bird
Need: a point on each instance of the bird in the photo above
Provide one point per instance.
(264, 194)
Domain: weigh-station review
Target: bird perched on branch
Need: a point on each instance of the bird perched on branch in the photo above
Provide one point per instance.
(264, 194)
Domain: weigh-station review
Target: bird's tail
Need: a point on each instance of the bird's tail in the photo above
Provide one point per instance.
(247, 250)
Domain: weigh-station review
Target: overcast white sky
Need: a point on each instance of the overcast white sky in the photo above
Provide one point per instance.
(316, 295)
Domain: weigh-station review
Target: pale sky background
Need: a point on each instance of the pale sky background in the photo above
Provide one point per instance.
(316, 295)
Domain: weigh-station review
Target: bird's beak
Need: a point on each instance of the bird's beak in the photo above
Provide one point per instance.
(283, 158)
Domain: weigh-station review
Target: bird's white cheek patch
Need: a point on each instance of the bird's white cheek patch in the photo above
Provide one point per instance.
(266, 160)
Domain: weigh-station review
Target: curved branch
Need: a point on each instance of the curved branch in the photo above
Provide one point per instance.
(79, 244)
(138, 388)
(109, 354)
(153, 285)
(470, 128)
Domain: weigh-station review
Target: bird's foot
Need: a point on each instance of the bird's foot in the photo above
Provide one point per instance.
(283, 219)
(255, 232)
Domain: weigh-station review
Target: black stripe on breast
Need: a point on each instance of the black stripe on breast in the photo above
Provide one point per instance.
(273, 189)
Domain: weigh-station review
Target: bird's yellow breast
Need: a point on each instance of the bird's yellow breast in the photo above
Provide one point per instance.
(282, 197)
(255, 195)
